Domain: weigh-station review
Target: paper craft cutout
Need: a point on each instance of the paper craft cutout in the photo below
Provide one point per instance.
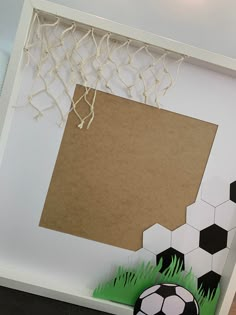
(136, 166)
(167, 257)
(202, 243)
(168, 299)
(129, 284)
(209, 281)
(233, 191)
(213, 239)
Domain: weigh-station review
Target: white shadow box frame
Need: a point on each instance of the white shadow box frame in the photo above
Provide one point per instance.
(65, 267)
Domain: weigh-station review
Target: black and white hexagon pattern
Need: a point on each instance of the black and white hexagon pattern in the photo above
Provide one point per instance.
(206, 237)
(166, 299)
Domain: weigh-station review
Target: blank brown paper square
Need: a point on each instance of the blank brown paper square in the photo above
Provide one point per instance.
(134, 167)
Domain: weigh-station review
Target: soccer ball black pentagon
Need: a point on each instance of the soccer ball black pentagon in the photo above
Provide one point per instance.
(166, 299)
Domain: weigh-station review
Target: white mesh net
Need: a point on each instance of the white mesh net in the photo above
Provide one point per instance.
(64, 53)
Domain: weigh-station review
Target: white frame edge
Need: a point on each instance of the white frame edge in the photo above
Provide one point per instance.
(229, 275)
(28, 283)
(8, 99)
(12, 80)
(204, 58)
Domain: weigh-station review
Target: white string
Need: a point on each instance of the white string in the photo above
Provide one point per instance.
(67, 54)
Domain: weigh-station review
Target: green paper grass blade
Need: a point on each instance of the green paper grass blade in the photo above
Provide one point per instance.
(209, 303)
(129, 283)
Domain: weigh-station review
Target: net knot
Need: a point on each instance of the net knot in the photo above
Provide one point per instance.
(81, 124)
(130, 90)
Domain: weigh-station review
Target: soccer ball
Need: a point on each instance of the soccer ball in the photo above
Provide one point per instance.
(166, 299)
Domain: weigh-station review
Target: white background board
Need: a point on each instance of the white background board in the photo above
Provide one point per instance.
(65, 261)
(29, 160)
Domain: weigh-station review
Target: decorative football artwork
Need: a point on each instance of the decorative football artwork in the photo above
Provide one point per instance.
(166, 299)
(208, 233)
(191, 256)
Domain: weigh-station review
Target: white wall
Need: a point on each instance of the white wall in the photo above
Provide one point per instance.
(9, 17)
(208, 24)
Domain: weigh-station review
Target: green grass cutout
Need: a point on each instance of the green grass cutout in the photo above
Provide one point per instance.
(173, 274)
(129, 283)
(209, 303)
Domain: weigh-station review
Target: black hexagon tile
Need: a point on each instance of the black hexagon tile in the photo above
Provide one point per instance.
(213, 239)
(233, 191)
(167, 257)
(209, 281)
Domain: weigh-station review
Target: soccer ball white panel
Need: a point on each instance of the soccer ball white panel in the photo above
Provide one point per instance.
(156, 239)
(200, 215)
(152, 304)
(215, 191)
(173, 305)
(149, 291)
(166, 300)
(185, 239)
(140, 313)
(184, 294)
(219, 260)
(226, 215)
(200, 261)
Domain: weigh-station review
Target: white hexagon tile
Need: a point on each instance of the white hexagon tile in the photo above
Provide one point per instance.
(141, 255)
(185, 239)
(226, 215)
(152, 304)
(203, 242)
(218, 261)
(156, 239)
(200, 261)
(200, 215)
(215, 191)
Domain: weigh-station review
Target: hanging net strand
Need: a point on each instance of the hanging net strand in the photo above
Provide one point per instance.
(63, 54)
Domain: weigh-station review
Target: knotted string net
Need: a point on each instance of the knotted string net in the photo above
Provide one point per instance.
(65, 53)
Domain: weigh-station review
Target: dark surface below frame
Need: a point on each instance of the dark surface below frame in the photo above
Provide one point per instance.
(13, 302)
